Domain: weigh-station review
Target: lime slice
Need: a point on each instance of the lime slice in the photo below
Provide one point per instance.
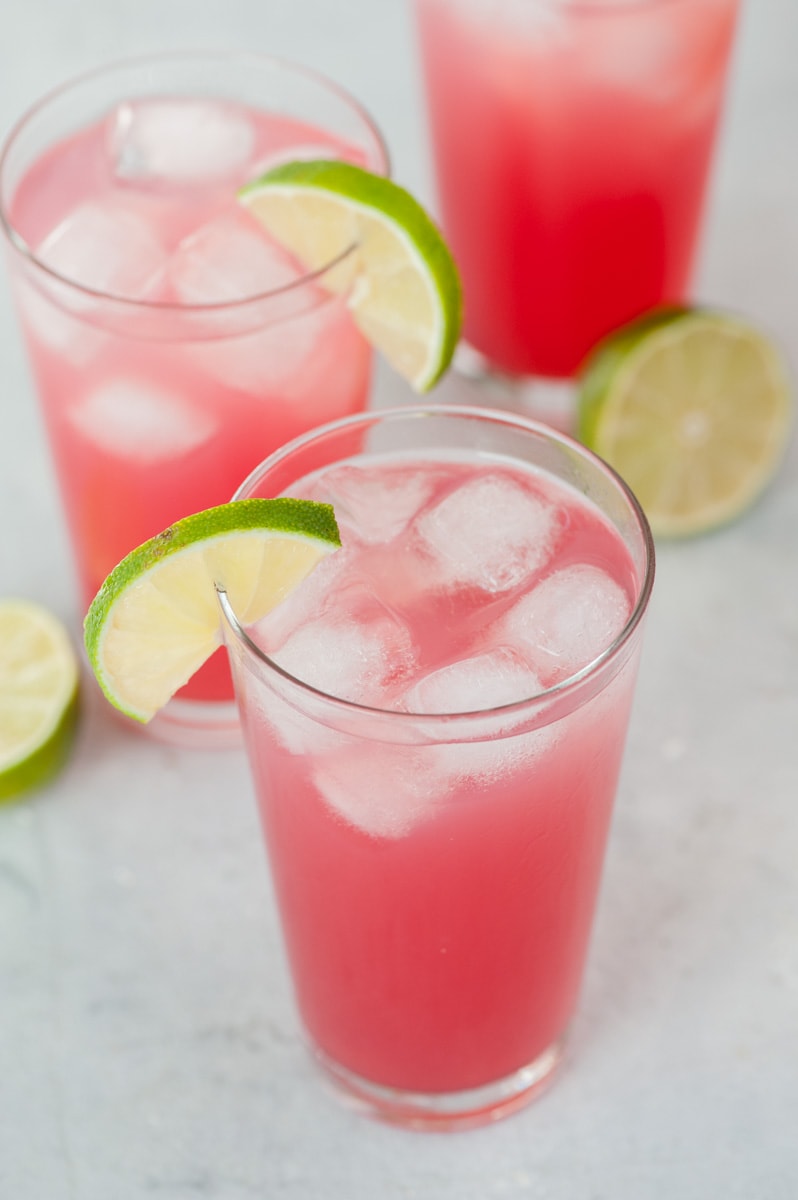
(156, 618)
(401, 282)
(38, 696)
(693, 409)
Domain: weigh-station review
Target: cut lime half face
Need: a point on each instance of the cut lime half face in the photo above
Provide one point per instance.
(390, 259)
(39, 690)
(693, 408)
(156, 618)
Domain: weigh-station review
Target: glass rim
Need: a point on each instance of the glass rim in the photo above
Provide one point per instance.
(497, 417)
(164, 58)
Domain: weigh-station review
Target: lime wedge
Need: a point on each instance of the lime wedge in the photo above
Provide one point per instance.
(693, 409)
(401, 282)
(156, 618)
(38, 696)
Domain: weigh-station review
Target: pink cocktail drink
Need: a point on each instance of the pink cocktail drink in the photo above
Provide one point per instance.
(172, 343)
(572, 142)
(435, 723)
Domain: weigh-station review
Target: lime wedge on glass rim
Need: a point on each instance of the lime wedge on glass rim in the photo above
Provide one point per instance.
(399, 277)
(693, 408)
(39, 696)
(156, 619)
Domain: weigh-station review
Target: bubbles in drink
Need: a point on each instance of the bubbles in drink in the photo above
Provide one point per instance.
(139, 422)
(106, 247)
(178, 141)
(567, 621)
(489, 533)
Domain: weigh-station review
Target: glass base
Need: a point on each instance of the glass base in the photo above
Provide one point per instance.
(550, 401)
(445, 1111)
(196, 725)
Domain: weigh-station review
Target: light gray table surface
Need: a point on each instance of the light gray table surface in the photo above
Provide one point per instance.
(148, 1042)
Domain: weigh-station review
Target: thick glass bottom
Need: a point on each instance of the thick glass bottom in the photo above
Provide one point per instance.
(551, 401)
(446, 1111)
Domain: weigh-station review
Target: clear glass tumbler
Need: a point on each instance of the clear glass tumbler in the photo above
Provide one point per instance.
(437, 871)
(173, 345)
(572, 141)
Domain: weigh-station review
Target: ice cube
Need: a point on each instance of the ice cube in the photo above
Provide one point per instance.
(229, 258)
(543, 24)
(138, 422)
(657, 59)
(179, 141)
(488, 680)
(359, 654)
(568, 620)
(492, 679)
(526, 24)
(477, 763)
(376, 508)
(107, 248)
(73, 339)
(305, 604)
(299, 733)
(273, 361)
(383, 790)
(489, 533)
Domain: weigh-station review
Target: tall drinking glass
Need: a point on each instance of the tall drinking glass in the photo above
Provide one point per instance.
(572, 141)
(172, 343)
(435, 724)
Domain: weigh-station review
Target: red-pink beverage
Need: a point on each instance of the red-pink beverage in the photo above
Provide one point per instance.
(436, 833)
(572, 143)
(173, 344)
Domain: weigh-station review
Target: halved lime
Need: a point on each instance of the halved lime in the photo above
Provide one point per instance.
(39, 691)
(693, 409)
(400, 279)
(156, 618)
